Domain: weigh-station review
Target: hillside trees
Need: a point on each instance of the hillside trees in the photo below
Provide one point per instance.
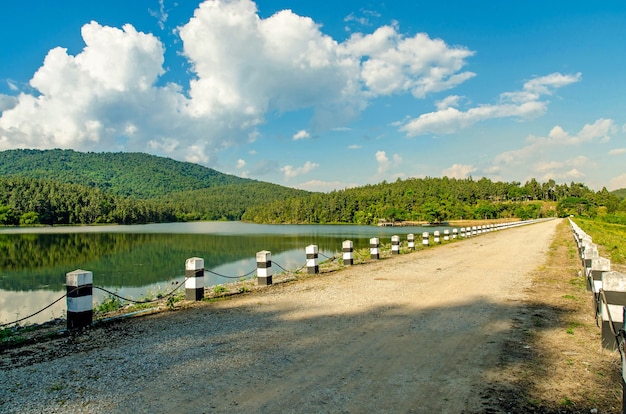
(30, 201)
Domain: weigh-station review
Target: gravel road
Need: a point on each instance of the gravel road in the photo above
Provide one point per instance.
(420, 332)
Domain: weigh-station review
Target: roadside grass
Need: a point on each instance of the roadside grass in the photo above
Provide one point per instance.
(610, 238)
(560, 366)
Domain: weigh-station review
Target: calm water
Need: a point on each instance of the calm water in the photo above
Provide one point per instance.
(141, 259)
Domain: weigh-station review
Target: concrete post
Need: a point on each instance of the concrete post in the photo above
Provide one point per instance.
(594, 272)
(410, 239)
(79, 285)
(312, 263)
(374, 248)
(455, 233)
(425, 237)
(462, 232)
(395, 244)
(614, 291)
(348, 256)
(474, 230)
(264, 267)
(446, 235)
(436, 236)
(194, 279)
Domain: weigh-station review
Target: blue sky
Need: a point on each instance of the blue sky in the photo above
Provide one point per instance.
(321, 95)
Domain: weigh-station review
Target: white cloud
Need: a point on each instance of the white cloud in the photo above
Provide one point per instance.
(447, 102)
(617, 151)
(243, 66)
(551, 156)
(354, 146)
(398, 64)
(521, 104)
(458, 171)
(302, 134)
(161, 15)
(241, 164)
(7, 102)
(616, 183)
(384, 163)
(291, 172)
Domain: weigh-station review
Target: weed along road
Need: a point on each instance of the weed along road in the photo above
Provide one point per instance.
(418, 332)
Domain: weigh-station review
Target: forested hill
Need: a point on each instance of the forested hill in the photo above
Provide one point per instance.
(67, 187)
(135, 175)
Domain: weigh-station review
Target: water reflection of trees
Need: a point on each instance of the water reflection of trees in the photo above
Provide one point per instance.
(30, 261)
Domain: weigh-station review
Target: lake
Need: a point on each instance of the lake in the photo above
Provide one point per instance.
(140, 259)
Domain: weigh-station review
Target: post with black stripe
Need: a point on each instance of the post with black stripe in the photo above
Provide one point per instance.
(395, 244)
(348, 252)
(79, 284)
(194, 279)
(410, 239)
(374, 248)
(264, 267)
(312, 261)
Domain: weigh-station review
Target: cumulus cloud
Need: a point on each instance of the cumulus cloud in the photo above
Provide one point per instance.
(242, 67)
(291, 171)
(384, 163)
(458, 171)
(524, 104)
(418, 64)
(302, 134)
(616, 183)
(447, 102)
(553, 156)
(241, 163)
(617, 151)
(7, 102)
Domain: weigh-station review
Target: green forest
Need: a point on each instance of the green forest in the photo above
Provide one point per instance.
(61, 187)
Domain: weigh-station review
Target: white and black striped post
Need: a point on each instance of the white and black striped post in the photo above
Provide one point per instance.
(395, 244)
(348, 252)
(264, 267)
(473, 230)
(455, 233)
(194, 278)
(374, 248)
(312, 263)
(79, 284)
(446, 235)
(462, 232)
(410, 239)
(425, 238)
(437, 236)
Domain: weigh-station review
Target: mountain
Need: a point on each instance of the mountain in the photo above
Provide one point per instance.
(621, 193)
(69, 187)
(135, 175)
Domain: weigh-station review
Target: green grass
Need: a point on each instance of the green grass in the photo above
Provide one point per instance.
(612, 237)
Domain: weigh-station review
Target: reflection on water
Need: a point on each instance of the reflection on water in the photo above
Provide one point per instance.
(133, 260)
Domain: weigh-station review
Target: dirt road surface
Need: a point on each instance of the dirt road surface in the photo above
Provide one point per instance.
(420, 332)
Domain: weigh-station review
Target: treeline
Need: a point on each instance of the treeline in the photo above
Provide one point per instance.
(28, 201)
(437, 200)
